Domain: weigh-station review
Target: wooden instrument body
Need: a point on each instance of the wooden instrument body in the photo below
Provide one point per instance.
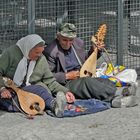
(89, 67)
(30, 103)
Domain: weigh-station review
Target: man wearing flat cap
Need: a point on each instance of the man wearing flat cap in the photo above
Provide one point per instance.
(65, 55)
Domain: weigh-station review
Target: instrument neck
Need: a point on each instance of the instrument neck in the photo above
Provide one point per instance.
(16, 89)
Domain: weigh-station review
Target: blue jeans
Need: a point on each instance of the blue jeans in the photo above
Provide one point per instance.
(7, 104)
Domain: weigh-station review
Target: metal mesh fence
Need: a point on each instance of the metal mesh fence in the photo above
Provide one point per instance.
(21, 17)
(132, 30)
(11, 13)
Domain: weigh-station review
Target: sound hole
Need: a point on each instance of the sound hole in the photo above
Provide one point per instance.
(88, 73)
(35, 106)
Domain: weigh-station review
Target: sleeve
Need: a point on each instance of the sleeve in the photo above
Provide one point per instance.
(42, 73)
(92, 49)
(4, 66)
(54, 64)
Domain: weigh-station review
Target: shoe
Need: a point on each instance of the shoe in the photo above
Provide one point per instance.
(124, 101)
(60, 104)
(116, 102)
(131, 90)
(129, 101)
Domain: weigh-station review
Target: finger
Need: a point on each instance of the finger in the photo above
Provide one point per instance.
(9, 95)
(77, 73)
(73, 98)
(67, 98)
(3, 95)
(6, 94)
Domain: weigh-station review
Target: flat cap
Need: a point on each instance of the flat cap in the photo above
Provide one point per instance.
(68, 30)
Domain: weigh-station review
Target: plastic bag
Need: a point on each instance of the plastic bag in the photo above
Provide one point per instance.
(113, 70)
(127, 75)
(101, 70)
(115, 80)
(108, 69)
(118, 74)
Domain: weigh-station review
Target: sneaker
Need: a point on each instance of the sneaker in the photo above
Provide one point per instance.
(129, 101)
(124, 101)
(116, 102)
(131, 90)
(60, 104)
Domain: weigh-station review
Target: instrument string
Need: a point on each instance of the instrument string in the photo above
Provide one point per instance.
(100, 36)
(29, 102)
(27, 99)
(107, 54)
(28, 116)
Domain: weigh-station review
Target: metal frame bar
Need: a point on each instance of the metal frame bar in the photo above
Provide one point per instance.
(120, 33)
(31, 16)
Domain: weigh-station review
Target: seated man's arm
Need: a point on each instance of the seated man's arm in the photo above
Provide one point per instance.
(92, 50)
(54, 65)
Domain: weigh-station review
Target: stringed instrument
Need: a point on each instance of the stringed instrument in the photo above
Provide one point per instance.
(30, 103)
(89, 67)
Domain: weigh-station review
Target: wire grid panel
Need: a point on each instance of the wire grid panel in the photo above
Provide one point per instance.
(90, 15)
(87, 15)
(132, 33)
(12, 13)
(49, 16)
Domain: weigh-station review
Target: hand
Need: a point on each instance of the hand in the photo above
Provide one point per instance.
(5, 93)
(96, 43)
(100, 46)
(70, 97)
(72, 75)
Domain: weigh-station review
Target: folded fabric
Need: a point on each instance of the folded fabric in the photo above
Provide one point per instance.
(83, 107)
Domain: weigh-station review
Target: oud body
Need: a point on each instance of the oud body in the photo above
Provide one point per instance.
(89, 67)
(30, 103)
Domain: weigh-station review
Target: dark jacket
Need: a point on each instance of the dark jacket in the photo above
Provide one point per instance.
(55, 56)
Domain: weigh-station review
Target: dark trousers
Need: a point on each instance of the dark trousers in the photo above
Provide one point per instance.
(87, 88)
(8, 105)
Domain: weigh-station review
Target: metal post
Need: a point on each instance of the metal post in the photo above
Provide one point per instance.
(120, 33)
(31, 16)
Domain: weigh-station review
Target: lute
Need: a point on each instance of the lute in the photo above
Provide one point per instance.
(30, 103)
(89, 67)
